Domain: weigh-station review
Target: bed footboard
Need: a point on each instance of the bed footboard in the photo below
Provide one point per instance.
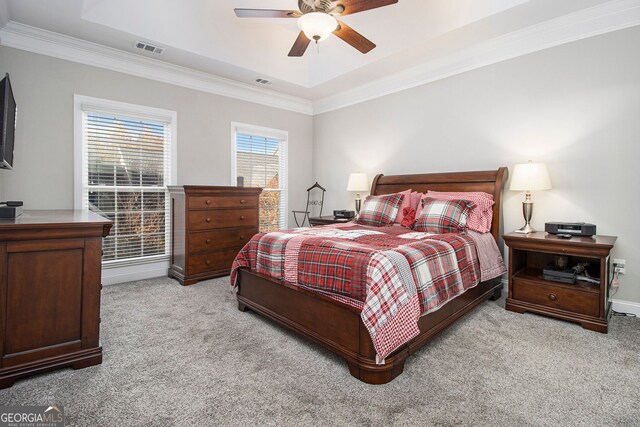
(338, 327)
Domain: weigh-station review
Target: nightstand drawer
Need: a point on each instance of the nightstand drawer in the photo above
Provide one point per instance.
(558, 297)
(325, 220)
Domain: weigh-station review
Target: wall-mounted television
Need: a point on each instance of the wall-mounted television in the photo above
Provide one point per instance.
(7, 123)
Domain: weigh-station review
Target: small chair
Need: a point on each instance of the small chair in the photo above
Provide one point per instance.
(310, 202)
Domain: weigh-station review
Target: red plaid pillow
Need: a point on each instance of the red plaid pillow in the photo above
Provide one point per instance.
(443, 216)
(380, 210)
(480, 218)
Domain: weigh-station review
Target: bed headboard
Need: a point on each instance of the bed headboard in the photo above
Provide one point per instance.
(488, 181)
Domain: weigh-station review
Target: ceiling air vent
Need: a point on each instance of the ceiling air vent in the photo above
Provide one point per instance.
(263, 81)
(149, 47)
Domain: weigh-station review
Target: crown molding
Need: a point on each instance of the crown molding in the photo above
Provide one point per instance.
(601, 19)
(36, 40)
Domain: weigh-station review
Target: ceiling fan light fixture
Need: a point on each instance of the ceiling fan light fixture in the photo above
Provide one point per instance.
(317, 25)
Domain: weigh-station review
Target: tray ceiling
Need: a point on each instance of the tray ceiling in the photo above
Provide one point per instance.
(206, 35)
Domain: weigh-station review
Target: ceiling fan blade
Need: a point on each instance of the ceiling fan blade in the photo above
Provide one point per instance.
(266, 13)
(355, 6)
(354, 38)
(300, 46)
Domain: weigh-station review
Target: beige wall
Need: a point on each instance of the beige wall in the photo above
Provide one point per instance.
(575, 107)
(44, 89)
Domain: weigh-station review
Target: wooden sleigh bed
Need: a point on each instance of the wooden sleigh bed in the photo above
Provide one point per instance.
(337, 326)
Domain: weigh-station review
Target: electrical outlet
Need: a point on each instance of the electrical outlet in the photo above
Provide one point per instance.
(620, 262)
(620, 270)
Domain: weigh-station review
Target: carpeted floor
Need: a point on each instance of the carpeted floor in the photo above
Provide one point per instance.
(186, 356)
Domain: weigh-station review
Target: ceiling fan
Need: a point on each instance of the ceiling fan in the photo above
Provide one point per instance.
(317, 20)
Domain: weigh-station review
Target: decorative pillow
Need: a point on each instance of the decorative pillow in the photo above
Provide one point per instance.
(416, 201)
(443, 216)
(406, 203)
(380, 210)
(480, 218)
(409, 217)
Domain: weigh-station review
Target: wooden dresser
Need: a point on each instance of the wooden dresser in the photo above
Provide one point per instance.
(210, 225)
(50, 271)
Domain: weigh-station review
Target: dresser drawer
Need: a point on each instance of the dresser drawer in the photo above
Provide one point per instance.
(556, 297)
(202, 241)
(205, 202)
(211, 261)
(222, 218)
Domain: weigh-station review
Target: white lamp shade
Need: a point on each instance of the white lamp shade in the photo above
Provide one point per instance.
(530, 177)
(317, 25)
(358, 182)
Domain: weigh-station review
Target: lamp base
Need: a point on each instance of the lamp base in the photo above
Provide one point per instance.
(526, 229)
(527, 210)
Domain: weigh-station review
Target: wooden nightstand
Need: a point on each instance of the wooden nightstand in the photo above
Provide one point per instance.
(324, 220)
(582, 302)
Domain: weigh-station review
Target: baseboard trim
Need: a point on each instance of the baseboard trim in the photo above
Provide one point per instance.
(626, 307)
(112, 276)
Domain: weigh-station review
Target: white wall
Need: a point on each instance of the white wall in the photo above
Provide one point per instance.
(4, 13)
(44, 87)
(575, 107)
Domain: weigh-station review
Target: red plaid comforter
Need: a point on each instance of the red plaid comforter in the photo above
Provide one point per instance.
(392, 274)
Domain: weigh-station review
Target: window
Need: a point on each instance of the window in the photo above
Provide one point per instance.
(259, 159)
(123, 167)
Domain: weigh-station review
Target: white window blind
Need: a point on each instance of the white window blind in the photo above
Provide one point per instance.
(260, 161)
(126, 166)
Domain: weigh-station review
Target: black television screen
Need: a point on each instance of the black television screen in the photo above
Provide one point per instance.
(7, 123)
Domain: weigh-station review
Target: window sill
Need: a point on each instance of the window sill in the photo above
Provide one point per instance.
(106, 265)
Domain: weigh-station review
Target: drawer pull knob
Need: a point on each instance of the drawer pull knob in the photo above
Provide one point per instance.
(553, 297)
(208, 262)
(208, 219)
(208, 241)
(241, 237)
(242, 218)
(243, 201)
(208, 202)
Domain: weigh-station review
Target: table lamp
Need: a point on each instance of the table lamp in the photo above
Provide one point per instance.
(358, 182)
(529, 177)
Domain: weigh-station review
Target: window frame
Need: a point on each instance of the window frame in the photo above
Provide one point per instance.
(264, 132)
(84, 103)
